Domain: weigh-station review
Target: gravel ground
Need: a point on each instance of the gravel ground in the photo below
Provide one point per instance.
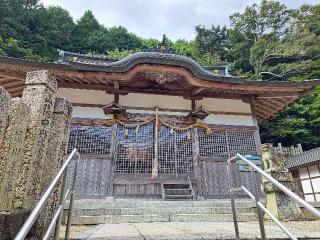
(192, 230)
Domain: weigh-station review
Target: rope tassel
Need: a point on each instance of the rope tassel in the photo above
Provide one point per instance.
(188, 136)
(126, 133)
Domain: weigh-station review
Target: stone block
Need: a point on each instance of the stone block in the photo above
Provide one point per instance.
(39, 95)
(12, 156)
(56, 154)
(278, 203)
(10, 224)
(4, 108)
(41, 77)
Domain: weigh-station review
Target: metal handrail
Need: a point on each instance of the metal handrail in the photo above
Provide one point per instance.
(255, 197)
(56, 220)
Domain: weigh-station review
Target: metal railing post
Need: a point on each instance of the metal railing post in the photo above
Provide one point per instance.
(68, 225)
(287, 191)
(44, 199)
(61, 201)
(232, 201)
(256, 194)
(260, 207)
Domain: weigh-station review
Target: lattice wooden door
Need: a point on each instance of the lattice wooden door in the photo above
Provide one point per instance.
(175, 152)
(134, 151)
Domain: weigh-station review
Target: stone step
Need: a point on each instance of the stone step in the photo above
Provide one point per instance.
(92, 220)
(242, 217)
(175, 210)
(130, 203)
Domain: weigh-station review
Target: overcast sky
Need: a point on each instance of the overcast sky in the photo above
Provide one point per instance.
(153, 18)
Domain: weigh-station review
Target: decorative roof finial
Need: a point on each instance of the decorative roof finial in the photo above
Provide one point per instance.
(163, 46)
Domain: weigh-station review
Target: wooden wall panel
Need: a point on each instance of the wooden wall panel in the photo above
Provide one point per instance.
(215, 179)
(145, 190)
(94, 177)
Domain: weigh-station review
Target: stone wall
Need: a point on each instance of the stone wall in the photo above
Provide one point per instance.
(33, 137)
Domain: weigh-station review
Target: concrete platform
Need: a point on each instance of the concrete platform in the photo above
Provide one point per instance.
(195, 231)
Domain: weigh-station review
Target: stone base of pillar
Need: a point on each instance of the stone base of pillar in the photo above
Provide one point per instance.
(10, 224)
(279, 203)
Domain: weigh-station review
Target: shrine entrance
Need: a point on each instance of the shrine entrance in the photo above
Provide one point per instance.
(136, 159)
(135, 151)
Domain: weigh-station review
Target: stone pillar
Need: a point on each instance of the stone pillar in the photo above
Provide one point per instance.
(4, 108)
(56, 154)
(4, 111)
(39, 95)
(278, 203)
(11, 158)
(11, 155)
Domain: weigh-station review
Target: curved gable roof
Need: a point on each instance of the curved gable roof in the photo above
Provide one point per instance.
(132, 60)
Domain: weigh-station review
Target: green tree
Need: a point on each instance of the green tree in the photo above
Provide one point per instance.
(87, 27)
(212, 40)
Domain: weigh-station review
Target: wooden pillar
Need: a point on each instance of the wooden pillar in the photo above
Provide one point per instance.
(255, 124)
(155, 167)
(193, 104)
(196, 161)
(113, 156)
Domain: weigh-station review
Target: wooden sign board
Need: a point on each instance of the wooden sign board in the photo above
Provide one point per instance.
(244, 167)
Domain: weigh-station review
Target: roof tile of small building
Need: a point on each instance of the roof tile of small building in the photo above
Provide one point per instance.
(303, 159)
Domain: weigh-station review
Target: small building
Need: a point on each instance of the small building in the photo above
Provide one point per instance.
(305, 168)
(157, 119)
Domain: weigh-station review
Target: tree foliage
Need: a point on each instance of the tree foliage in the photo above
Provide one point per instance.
(266, 41)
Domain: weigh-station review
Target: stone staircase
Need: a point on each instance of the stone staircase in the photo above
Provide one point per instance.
(99, 211)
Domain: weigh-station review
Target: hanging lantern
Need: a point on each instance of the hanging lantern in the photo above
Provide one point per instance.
(126, 133)
(171, 130)
(199, 113)
(114, 108)
(137, 128)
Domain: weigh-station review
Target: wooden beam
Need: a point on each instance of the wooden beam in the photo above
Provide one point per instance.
(69, 79)
(17, 91)
(279, 94)
(7, 80)
(273, 102)
(266, 103)
(196, 91)
(14, 74)
(163, 109)
(265, 108)
(14, 84)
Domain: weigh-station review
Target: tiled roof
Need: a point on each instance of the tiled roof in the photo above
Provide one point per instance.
(303, 159)
(85, 62)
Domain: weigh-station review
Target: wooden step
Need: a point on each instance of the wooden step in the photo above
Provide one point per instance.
(178, 196)
(177, 191)
(176, 186)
